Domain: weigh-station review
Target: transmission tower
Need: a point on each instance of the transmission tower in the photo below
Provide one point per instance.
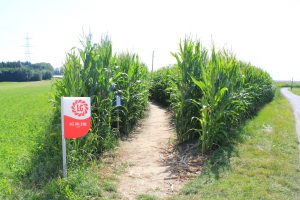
(27, 49)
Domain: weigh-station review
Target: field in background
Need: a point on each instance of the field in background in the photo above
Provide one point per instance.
(295, 91)
(24, 113)
(287, 83)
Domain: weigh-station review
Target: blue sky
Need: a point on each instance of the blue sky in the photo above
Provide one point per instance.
(265, 33)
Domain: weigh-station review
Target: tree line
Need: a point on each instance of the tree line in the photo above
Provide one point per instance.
(58, 71)
(25, 71)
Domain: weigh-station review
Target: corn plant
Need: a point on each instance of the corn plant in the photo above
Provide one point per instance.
(191, 59)
(218, 84)
(134, 88)
(93, 71)
(161, 85)
(215, 93)
(258, 85)
(229, 96)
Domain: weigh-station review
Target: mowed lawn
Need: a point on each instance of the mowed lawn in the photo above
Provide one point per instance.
(295, 91)
(24, 114)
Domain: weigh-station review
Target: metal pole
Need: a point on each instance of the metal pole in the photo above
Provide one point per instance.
(63, 141)
(292, 84)
(118, 125)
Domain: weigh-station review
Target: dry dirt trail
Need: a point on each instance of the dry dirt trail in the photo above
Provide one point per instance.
(146, 173)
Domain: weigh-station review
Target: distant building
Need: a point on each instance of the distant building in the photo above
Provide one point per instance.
(58, 76)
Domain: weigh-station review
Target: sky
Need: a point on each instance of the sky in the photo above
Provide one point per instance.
(265, 33)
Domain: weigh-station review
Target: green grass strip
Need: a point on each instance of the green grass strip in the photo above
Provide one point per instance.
(262, 163)
(295, 91)
(24, 112)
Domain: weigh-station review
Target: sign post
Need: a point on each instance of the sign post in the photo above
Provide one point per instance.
(76, 121)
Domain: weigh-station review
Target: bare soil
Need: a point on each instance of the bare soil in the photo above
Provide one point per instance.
(154, 163)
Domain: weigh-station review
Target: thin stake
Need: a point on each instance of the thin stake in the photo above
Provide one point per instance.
(152, 59)
(118, 126)
(63, 141)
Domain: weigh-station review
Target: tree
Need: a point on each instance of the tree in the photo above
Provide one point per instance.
(47, 75)
(25, 71)
(37, 76)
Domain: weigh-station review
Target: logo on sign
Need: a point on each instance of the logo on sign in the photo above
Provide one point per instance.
(76, 116)
(80, 108)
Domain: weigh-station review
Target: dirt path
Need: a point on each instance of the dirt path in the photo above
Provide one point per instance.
(295, 102)
(146, 172)
(155, 165)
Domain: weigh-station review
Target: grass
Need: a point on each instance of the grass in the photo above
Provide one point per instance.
(295, 91)
(263, 163)
(146, 197)
(24, 110)
(287, 84)
(29, 167)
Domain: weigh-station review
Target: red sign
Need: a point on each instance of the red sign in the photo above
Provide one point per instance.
(76, 116)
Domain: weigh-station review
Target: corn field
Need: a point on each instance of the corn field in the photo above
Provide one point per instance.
(94, 71)
(211, 92)
(160, 85)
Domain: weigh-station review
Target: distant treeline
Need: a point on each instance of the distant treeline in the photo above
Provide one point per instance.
(25, 71)
(58, 71)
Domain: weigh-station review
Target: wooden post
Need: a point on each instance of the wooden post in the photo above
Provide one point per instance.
(152, 59)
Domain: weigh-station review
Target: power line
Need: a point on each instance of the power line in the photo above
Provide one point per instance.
(27, 48)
